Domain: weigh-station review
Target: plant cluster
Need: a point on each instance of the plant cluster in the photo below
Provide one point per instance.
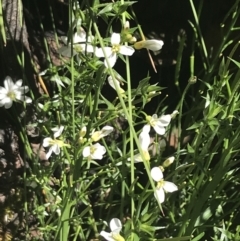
(103, 156)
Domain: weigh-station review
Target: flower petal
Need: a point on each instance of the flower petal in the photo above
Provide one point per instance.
(49, 153)
(23, 89)
(126, 50)
(99, 152)
(156, 174)
(169, 186)
(146, 128)
(159, 195)
(3, 91)
(79, 37)
(8, 103)
(64, 39)
(100, 54)
(154, 45)
(159, 129)
(19, 83)
(86, 151)
(57, 131)
(107, 236)
(89, 48)
(165, 120)
(106, 130)
(111, 83)
(56, 149)
(46, 141)
(111, 59)
(115, 225)
(8, 83)
(137, 158)
(144, 140)
(115, 38)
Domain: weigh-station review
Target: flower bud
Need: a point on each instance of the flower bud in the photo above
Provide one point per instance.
(151, 44)
(192, 80)
(168, 162)
(82, 133)
(127, 25)
(132, 40)
(174, 114)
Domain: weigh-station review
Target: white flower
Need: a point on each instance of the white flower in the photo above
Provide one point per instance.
(116, 227)
(159, 124)
(79, 43)
(151, 44)
(54, 144)
(13, 92)
(162, 185)
(111, 83)
(94, 152)
(144, 141)
(111, 52)
(97, 135)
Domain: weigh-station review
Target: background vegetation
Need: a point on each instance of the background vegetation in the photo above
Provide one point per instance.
(71, 196)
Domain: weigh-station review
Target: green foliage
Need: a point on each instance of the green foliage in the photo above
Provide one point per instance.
(76, 196)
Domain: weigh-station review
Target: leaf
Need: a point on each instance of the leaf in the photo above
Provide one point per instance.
(213, 123)
(195, 126)
(190, 149)
(144, 211)
(106, 9)
(198, 237)
(235, 62)
(215, 111)
(123, 7)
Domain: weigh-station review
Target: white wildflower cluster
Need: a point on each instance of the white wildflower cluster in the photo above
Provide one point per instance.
(13, 92)
(91, 148)
(117, 47)
(159, 124)
(96, 151)
(91, 151)
(83, 44)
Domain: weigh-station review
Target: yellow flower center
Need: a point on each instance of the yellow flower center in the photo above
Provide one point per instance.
(92, 149)
(60, 143)
(11, 95)
(160, 184)
(116, 48)
(78, 48)
(117, 237)
(151, 120)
